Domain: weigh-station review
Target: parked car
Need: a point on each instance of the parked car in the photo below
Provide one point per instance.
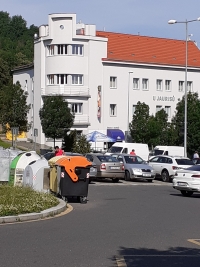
(187, 181)
(135, 167)
(93, 171)
(196, 161)
(107, 166)
(166, 166)
(50, 155)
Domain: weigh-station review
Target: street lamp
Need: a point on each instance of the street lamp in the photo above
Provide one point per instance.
(130, 72)
(172, 21)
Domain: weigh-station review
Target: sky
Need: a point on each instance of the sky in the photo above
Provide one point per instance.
(143, 17)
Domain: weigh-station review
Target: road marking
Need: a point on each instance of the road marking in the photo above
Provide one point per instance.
(120, 261)
(194, 241)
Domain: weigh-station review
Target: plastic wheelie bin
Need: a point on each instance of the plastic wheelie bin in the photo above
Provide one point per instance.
(54, 183)
(73, 174)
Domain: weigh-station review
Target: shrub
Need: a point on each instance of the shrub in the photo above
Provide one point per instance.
(21, 200)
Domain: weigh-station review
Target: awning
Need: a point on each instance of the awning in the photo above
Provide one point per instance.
(98, 137)
(116, 134)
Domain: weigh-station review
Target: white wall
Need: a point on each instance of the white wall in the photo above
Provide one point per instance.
(26, 79)
(96, 73)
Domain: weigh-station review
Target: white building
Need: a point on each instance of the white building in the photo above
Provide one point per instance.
(111, 70)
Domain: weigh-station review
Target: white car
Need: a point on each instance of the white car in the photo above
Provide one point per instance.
(166, 166)
(187, 181)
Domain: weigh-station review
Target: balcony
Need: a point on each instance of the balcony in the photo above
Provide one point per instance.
(81, 120)
(65, 90)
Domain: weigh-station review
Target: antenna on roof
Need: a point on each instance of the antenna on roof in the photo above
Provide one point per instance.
(189, 35)
(138, 33)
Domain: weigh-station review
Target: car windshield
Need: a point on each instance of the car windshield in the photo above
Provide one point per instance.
(158, 152)
(194, 168)
(107, 159)
(115, 149)
(184, 162)
(133, 160)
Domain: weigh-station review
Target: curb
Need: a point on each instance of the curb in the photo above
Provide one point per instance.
(35, 216)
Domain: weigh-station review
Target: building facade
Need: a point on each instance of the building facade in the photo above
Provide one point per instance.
(103, 75)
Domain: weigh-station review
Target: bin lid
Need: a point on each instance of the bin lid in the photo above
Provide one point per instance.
(70, 163)
(53, 160)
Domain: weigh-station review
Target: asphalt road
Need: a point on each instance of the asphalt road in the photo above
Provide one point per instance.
(124, 225)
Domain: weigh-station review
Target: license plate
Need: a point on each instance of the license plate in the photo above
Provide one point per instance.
(114, 168)
(181, 184)
(146, 175)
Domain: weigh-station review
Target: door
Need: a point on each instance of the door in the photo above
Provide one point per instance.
(155, 164)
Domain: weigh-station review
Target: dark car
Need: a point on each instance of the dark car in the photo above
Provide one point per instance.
(50, 155)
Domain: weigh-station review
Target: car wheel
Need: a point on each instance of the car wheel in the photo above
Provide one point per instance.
(115, 180)
(186, 193)
(127, 176)
(165, 176)
(149, 180)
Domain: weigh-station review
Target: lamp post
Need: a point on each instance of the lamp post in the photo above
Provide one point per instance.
(129, 74)
(172, 21)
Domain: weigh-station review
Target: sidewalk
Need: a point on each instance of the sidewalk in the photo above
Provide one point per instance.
(27, 145)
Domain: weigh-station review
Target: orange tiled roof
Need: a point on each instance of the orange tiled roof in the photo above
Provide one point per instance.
(152, 50)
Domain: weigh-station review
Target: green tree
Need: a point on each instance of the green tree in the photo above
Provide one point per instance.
(193, 122)
(68, 141)
(14, 108)
(56, 118)
(81, 145)
(161, 132)
(4, 73)
(138, 126)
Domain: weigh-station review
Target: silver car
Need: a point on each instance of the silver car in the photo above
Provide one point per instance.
(107, 166)
(135, 167)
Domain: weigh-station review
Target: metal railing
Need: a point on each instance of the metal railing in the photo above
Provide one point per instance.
(65, 90)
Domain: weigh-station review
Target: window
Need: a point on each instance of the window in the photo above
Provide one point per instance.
(62, 49)
(158, 108)
(168, 111)
(79, 133)
(180, 86)
(61, 78)
(77, 79)
(189, 86)
(168, 85)
(50, 50)
(77, 108)
(50, 79)
(133, 109)
(113, 110)
(145, 84)
(113, 82)
(77, 49)
(136, 83)
(159, 85)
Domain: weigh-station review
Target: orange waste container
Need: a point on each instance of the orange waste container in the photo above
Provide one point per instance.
(74, 177)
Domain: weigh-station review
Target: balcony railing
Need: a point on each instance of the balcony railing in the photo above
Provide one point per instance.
(81, 120)
(65, 90)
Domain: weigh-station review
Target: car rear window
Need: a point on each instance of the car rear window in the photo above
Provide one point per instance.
(194, 168)
(184, 162)
(115, 149)
(107, 159)
(133, 160)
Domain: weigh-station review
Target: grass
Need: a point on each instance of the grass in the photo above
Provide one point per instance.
(5, 144)
(21, 200)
